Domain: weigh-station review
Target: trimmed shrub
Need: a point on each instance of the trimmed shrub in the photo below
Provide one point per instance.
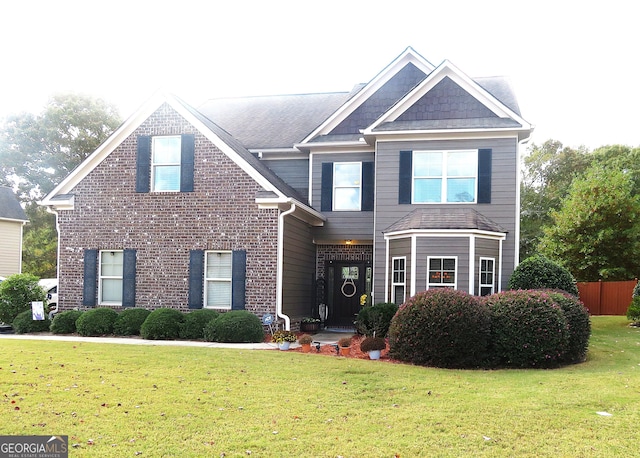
(16, 294)
(528, 329)
(578, 323)
(375, 319)
(195, 322)
(130, 321)
(633, 312)
(442, 328)
(162, 324)
(636, 290)
(539, 272)
(96, 322)
(24, 323)
(65, 322)
(236, 326)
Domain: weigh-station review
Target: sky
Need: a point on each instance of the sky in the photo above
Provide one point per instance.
(574, 65)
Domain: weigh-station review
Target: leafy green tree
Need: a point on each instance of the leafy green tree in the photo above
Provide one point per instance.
(547, 174)
(595, 234)
(16, 294)
(40, 242)
(38, 151)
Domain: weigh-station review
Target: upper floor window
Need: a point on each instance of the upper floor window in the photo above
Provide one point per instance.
(347, 185)
(444, 176)
(218, 275)
(442, 272)
(110, 275)
(165, 163)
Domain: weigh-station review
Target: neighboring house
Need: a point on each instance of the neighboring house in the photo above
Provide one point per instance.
(12, 219)
(278, 204)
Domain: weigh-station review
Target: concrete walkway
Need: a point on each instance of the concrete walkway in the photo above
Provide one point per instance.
(324, 337)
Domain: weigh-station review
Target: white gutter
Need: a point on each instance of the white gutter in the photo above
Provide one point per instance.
(280, 267)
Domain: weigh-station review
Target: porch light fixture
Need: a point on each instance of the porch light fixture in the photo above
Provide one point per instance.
(348, 242)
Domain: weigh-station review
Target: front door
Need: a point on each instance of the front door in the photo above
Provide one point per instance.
(347, 282)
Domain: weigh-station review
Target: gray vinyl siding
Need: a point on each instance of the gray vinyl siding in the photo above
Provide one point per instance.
(501, 210)
(340, 225)
(299, 255)
(445, 247)
(294, 172)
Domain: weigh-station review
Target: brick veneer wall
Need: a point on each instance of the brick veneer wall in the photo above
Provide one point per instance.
(221, 214)
(341, 253)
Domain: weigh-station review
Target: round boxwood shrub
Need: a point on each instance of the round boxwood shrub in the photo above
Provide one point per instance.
(195, 322)
(24, 323)
(578, 323)
(96, 322)
(442, 328)
(16, 294)
(528, 329)
(375, 319)
(236, 326)
(633, 312)
(65, 322)
(130, 321)
(162, 324)
(539, 272)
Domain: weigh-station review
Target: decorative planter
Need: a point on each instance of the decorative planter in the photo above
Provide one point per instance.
(345, 351)
(284, 345)
(306, 348)
(375, 354)
(309, 327)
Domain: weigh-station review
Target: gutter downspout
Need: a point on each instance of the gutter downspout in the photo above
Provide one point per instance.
(280, 267)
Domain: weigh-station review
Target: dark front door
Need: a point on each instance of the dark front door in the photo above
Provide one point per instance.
(346, 284)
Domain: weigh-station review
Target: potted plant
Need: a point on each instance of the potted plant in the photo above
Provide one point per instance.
(283, 338)
(305, 342)
(345, 346)
(373, 346)
(310, 324)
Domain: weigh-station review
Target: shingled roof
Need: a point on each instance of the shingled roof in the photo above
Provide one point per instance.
(10, 206)
(445, 218)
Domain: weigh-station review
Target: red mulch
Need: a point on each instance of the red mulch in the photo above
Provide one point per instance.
(330, 350)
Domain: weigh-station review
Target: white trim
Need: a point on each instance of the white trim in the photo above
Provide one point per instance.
(444, 177)
(414, 265)
(217, 279)
(333, 188)
(472, 263)
(445, 233)
(386, 269)
(112, 277)
(440, 285)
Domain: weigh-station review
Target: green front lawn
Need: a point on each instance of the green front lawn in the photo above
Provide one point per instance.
(127, 400)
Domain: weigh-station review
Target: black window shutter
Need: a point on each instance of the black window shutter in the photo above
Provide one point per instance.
(326, 199)
(368, 187)
(484, 176)
(143, 164)
(186, 162)
(196, 278)
(238, 279)
(129, 278)
(404, 177)
(90, 280)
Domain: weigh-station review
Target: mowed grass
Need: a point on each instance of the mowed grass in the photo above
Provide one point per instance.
(154, 401)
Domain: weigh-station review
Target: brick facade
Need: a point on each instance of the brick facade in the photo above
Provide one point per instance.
(341, 253)
(221, 214)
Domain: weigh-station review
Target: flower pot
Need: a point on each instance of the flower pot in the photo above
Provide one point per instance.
(309, 327)
(375, 354)
(284, 345)
(306, 348)
(345, 351)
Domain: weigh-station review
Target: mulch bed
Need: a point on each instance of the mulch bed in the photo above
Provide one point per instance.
(354, 351)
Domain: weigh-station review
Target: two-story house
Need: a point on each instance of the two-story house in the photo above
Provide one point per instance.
(295, 205)
(12, 221)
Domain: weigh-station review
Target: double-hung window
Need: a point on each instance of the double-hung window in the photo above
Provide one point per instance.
(110, 274)
(487, 275)
(165, 163)
(398, 282)
(347, 186)
(442, 272)
(218, 275)
(445, 176)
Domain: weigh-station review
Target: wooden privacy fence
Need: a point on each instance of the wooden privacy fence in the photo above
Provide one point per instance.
(606, 297)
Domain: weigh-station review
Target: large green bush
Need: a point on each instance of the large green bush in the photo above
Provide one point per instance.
(162, 324)
(441, 327)
(195, 322)
(130, 321)
(96, 322)
(16, 294)
(65, 322)
(375, 319)
(24, 323)
(633, 312)
(528, 329)
(539, 272)
(578, 323)
(236, 326)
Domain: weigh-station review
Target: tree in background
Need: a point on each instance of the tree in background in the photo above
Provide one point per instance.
(595, 234)
(38, 151)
